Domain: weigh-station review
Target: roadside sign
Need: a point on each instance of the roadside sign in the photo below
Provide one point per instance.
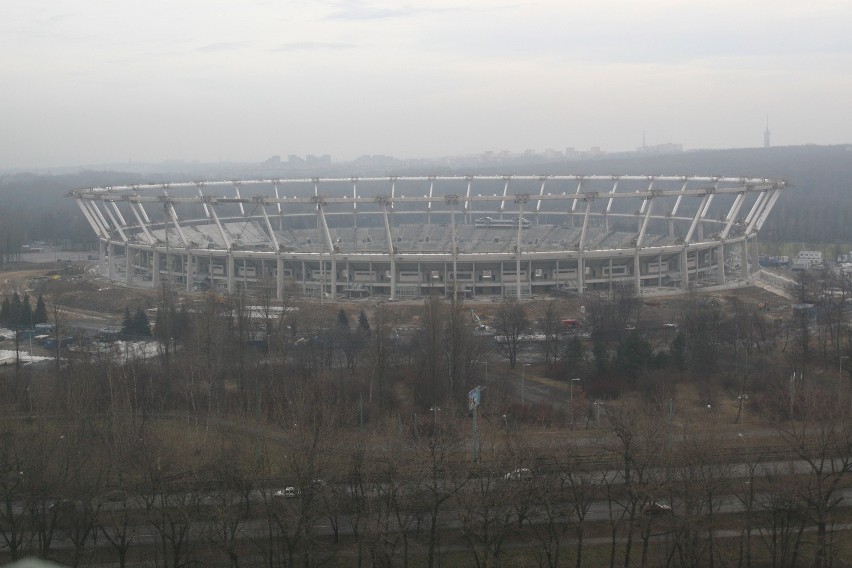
(473, 398)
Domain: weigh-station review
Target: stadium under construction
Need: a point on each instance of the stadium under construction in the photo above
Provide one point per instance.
(407, 237)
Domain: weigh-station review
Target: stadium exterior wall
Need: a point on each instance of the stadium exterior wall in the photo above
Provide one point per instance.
(652, 236)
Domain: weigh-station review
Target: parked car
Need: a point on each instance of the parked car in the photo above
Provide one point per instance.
(653, 509)
(520, 474)
(286, 493)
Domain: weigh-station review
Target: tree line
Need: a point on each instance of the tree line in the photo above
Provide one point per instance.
(17, 312)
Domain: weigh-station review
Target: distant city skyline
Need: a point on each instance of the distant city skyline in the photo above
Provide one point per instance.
(89, 82)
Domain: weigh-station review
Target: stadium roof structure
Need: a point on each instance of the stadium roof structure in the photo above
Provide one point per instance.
(398, 237)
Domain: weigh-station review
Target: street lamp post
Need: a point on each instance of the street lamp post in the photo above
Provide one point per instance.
(742, 398)
(523, 395)
(598, 405)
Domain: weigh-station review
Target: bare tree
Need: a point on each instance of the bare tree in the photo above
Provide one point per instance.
(511, 324)
(822, 439)
(551, 326)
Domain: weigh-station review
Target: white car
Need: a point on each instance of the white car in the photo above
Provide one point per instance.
(286, 493)
(521, 474)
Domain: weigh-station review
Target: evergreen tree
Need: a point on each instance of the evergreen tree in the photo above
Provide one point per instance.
(5, 311)
(141, 324)
(572, 357)
(633, 356)
(127, 322)
(15, 309)
(364, 323)
(678, 353)
(342, 319)
(40, 313)
(25, 315)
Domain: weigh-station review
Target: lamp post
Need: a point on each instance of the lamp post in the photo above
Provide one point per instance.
(571, 403)
(523, 395)
(742, 398)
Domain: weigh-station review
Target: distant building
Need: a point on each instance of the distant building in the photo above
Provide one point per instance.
(313, 160)
(807, 259)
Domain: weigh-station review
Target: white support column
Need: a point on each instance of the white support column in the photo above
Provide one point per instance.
(188, 265)
(582, 244)
(608, 204)
(453, 200)
(650, 205)
(230, 269)
(695, 219)
(99, 216)
(732, 214)
(761, 219)
(225, 240)
(237, 193)
(111, 261)
(467, 207)
(272, 238)
(178, 228)
(521, 200)
(429, 205)
(118, 213)
(391, 255)
(116, 224)
(684, 268)
(279, 278)
(354, 203)
(144, 213)
(574, 202)
(540, 194)
(720, 259)
(506, 179)
(88, 215)
(128, 265)
(155, 269)
(744, 270)
(581, 273)
(326, 234)
(198, 187)
(637, 272)
(150, 238)
(755, 206)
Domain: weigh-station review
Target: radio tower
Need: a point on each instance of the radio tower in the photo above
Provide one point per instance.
(766, 133)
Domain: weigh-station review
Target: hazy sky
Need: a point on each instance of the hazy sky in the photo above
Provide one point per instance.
(92, 81)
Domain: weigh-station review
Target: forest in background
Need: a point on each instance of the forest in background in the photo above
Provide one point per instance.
(816, 209)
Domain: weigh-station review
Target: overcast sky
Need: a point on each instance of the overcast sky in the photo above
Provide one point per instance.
(94, 81)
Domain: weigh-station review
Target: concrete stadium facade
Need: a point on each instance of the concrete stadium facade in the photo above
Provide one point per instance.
(498, 236)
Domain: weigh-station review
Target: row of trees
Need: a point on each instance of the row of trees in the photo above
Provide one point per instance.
(135, 325)
(404, 492)
(17, 312)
